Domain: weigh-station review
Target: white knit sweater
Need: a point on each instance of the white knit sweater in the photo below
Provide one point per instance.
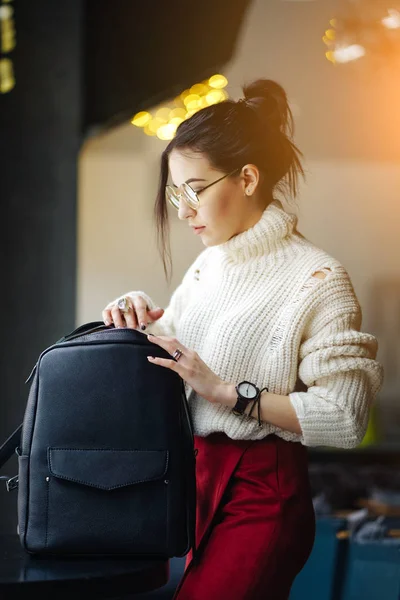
(252, 310)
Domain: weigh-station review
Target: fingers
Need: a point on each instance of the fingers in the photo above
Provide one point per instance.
(116, 316)
(135, 318)
(143, 318)
(113, 315)
(130, 315)
(106, 315)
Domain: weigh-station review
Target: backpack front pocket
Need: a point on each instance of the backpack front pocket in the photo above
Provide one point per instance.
(104, 501)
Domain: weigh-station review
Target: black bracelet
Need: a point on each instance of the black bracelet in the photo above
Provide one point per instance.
(258, 401)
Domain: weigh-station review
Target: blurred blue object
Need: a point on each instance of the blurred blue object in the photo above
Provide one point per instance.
(322, 576)
(373, 570)
(364, 566)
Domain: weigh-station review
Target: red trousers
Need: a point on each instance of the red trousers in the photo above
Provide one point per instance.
(255, 524)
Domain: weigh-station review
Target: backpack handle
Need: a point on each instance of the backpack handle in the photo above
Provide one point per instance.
(83, 329)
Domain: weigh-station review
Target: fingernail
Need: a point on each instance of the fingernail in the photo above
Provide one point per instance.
(142, 325)
(106, 322)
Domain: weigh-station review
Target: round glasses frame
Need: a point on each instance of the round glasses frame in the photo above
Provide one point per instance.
(188, 194)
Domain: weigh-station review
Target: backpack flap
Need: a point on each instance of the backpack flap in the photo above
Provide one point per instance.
(107, 469)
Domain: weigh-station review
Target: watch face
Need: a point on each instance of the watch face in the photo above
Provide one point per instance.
(248, 390)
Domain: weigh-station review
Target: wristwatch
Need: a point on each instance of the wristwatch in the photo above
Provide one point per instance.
(247, 392)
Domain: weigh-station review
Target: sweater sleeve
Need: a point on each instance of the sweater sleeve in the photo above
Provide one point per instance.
(337, 364)
(167, 324)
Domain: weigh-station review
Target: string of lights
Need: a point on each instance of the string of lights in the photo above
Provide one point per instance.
(7, 33)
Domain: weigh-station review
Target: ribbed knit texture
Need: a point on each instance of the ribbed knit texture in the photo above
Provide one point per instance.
(252, 310)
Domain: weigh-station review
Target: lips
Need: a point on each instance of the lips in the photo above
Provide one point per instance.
(198, 229)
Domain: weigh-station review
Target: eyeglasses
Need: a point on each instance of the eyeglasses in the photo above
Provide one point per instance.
(188, 194)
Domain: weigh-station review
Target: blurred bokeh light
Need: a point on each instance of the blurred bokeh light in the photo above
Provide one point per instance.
(165, 120)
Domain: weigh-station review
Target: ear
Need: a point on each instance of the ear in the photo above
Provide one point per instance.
(250, 179)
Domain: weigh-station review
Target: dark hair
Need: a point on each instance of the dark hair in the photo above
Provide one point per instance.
(256, 130)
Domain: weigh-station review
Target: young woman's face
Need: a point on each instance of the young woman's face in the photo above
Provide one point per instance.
(225, 210)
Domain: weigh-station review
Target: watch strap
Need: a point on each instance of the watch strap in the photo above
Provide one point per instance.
(240, 405)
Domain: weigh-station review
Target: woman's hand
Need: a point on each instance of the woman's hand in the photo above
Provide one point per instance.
(190, 367)
(136, 315)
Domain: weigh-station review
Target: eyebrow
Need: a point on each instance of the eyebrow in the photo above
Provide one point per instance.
(191, 180)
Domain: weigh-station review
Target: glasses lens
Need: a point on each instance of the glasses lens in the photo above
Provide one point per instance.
(171, 196)
(185, 192)
(190, 196)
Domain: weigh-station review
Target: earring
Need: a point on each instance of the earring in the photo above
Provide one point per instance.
(248, 192)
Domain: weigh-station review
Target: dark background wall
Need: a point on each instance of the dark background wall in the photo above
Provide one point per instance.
(40, 136)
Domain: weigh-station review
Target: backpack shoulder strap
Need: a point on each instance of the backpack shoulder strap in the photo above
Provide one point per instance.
(10, 445)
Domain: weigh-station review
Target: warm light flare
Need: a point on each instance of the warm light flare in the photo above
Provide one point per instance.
(141, 119)
(200, 89)
(218, 81)
(178, 112)
(166, 132)
(148, 131)
(7, 45)
(7, 79)
(176, 120)
(330, 55)
(348, 53)
(361, 32)
(392, 21)
(155, 124)
(191, 98)
(167, 119)
(163, 114)
(215, 96)
(330, 34)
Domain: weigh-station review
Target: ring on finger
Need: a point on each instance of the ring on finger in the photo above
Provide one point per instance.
(177, 354)
(123, 304)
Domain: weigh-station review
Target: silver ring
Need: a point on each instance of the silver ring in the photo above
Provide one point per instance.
(177, 354)
(123, 304)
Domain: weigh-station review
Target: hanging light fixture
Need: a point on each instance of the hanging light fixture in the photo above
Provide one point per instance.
(364, 28)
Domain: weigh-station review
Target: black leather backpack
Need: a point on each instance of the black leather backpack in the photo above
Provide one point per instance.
(106, 452)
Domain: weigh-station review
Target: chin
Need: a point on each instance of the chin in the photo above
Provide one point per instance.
(210, 243)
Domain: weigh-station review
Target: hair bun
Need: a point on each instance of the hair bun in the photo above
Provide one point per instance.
(269, 99)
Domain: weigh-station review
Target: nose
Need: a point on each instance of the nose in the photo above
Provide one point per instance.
(185, 210)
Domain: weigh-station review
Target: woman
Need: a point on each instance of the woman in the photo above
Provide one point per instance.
(265, 331)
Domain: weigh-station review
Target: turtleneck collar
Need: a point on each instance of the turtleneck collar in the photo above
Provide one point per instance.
(261, 239)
